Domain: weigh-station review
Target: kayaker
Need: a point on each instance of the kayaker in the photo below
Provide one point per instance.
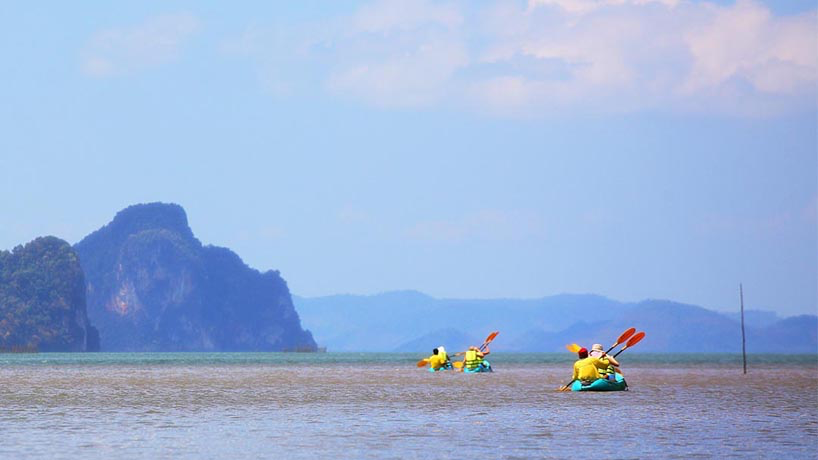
(474, 357)
(610, 363)
(587, 368)
(439, 359)
(447, 363)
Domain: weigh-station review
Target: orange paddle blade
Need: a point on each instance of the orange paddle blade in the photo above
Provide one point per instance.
(625, 335)
(458, 364)
(423, 362)
(491, 337)
(635, 339)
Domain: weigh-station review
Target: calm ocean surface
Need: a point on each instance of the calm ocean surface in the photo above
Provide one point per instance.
(353, 405)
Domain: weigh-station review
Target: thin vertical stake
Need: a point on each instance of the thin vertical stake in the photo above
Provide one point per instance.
(743, 349)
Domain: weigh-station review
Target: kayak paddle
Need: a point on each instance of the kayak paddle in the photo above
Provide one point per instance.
(459, 364)
(633, 341)
(573, 348)
(489, 339)
(622, 338)
(423, 362)
(484, 345)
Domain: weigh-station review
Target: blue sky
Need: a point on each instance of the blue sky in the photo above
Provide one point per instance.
(630, 148)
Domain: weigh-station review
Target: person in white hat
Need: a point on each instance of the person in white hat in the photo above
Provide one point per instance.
(444, 356)
(598, 352)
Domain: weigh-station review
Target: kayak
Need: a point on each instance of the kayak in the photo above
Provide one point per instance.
(485, 366)
(601, 385)
(447, 367)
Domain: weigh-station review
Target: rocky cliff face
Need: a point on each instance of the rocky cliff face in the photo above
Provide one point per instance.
(42, 299)
(152, 286)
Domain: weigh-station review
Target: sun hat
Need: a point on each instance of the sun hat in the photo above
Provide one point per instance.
(440, 349)
(597, 347)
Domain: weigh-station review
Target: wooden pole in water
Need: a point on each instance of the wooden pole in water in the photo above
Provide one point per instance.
(743, 349)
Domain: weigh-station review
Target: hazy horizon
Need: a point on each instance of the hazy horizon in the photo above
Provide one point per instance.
(662, 149)
(735, 310)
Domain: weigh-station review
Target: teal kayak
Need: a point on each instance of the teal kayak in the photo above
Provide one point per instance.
(484, 366)
(447, 367)
(601, 385)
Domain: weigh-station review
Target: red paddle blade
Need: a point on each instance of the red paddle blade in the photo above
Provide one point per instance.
(625, 335)
(635, 339)
(491, 336)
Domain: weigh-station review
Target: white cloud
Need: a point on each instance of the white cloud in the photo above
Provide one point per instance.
(398, 53)
(745, 41)
(415, 76)
(588, 6)
(562, 56)
(631, 55)
(118, 51)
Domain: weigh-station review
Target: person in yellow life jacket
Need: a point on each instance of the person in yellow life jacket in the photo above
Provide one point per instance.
(439, 359)
(610, 363)
(587, 368)
(474, 357)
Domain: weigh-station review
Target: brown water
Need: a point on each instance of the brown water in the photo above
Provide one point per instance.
(249, 406)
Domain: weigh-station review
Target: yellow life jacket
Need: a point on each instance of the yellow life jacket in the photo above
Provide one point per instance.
(443, 357)
(473, 360)
(608, 369)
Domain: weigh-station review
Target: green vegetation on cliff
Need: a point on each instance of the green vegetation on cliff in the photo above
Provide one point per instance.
(42, 299)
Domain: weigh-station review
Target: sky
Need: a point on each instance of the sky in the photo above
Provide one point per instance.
(634, 149)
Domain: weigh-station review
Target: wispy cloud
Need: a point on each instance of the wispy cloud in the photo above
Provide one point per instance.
(398, 53)
(773, 55)
(621, 55)
(553, 56)
(124, 50)
(587, 6)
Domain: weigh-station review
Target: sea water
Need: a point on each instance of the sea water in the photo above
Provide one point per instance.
(351, 405)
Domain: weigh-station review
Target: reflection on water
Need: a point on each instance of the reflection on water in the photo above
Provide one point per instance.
(251, 405)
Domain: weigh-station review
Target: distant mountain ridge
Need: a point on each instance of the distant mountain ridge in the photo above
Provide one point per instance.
(147, 284)
(412, 321)
(152, 286)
